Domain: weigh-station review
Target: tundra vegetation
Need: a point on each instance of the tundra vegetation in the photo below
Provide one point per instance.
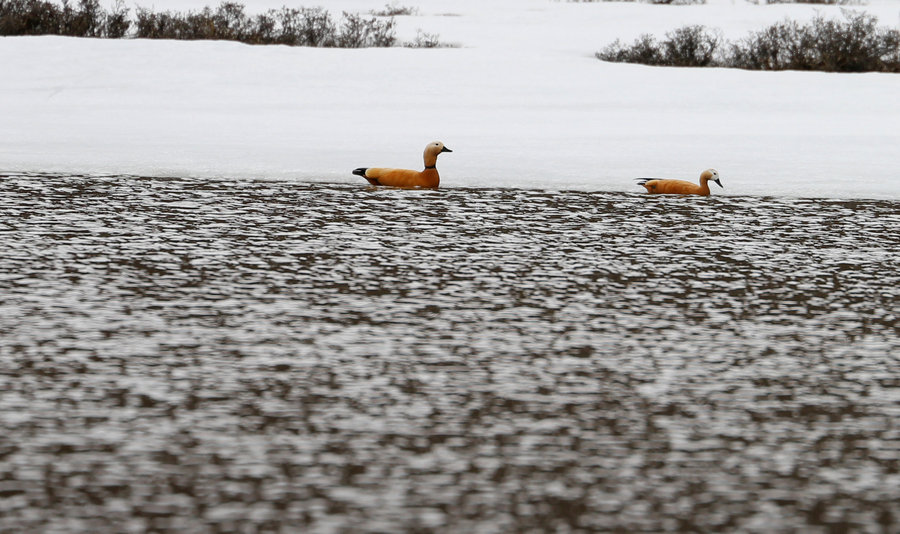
(853, 43)
(229, 21)
(763, 2)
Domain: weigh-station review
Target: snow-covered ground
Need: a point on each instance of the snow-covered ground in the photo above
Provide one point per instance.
(522, 101)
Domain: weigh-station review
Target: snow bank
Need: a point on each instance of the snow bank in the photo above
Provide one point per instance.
(523, 103)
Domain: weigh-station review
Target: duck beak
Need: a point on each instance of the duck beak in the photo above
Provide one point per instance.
(720, 183)
(445, 149)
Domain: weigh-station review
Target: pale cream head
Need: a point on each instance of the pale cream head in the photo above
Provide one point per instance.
(432, 151)
(711, 174)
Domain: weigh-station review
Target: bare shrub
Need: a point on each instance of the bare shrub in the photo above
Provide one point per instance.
(226, 22)
(84, 21)
(821, 2)
(426, 40)
(852, 44)
(36, 17)
(359, 32)
(288, 26)
(657, 2)
(117, 23)
(312, 26)
(645, 51)
(295, 27)
(690, 46)
(395, 10)
(30, 17)
(380, 33)
(165, 25)
(777, 47)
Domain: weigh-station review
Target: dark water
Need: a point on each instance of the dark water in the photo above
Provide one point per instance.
(209, 356)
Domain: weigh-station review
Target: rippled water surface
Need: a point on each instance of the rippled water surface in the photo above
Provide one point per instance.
(206, 356)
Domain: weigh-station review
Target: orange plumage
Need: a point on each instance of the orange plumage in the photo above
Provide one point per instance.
(681, 187)
(428, 177)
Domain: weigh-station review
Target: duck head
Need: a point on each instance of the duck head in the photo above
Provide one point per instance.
(432, 151)
(711, 174)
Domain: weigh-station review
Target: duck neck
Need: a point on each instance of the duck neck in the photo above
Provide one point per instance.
(704, 186)
(430, 158)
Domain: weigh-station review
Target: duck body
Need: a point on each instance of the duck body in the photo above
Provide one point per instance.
(656, 186)
(400, 177)
(427, 178)
(675, 187)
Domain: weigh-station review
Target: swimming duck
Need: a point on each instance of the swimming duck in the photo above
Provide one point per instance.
(681, 187)
(405, 177)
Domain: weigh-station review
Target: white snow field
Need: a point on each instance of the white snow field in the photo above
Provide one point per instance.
(522, 101)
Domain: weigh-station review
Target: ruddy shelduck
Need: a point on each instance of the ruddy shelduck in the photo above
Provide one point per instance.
(405, 177)
(681, 187)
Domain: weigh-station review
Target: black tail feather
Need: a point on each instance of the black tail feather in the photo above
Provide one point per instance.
(362, 172)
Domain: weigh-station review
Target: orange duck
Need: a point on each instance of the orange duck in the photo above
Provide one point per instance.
(681, 187)
(405, 177)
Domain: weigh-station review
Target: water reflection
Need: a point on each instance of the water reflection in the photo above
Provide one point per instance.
(212, 355)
